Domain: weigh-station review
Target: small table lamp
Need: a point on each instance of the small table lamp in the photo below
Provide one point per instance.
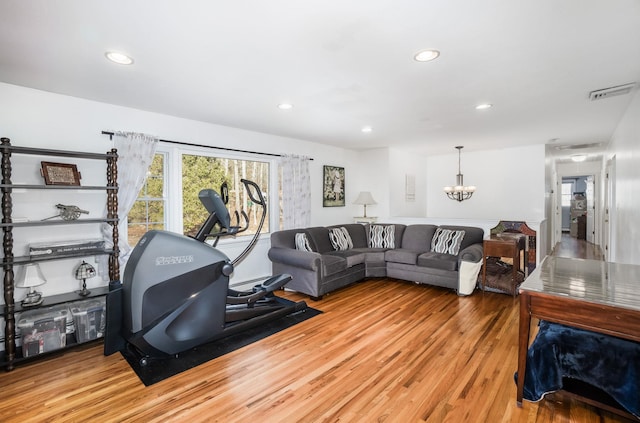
(84, 272)
(31, 277)
(365, 199)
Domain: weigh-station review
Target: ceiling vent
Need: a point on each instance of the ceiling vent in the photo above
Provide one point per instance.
(578, 146)
(611, 92)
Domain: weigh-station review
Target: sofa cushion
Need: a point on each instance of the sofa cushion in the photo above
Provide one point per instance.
(319, 239)
(372, 254)
(418, 237)
(438, 261)
(472, 235)
(382, 236)
(401, 255)
(353, 257)
(302, 242)
(333, 264)
(358, 234)
(447, 241)
(340, 239)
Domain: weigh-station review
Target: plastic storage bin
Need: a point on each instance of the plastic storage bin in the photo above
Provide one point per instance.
(43, 329)
(89, 318)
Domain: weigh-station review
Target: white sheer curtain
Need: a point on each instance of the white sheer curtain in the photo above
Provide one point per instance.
(296, 192)
(135, 154)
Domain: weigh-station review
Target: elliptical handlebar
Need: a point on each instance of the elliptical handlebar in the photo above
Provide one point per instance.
(252, 187)
(250, 184)
(219, 214)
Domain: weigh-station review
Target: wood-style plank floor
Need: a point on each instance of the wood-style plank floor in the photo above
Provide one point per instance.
(383, 350)
(572, 247)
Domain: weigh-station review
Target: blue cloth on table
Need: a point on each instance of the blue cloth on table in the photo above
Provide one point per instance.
(606, 362)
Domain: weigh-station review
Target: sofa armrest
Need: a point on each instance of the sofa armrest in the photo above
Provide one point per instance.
(472, 253)
(289, 256)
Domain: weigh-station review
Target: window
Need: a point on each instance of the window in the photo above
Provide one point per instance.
(148, 212)
(200, 172)
(567, 193)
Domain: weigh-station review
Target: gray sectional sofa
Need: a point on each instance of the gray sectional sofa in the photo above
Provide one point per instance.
(323, 259)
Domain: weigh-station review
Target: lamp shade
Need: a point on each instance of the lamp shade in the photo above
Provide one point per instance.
(365, 198)
(30, 276)
(85, 271)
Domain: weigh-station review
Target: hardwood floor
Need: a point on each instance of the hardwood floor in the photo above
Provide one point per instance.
(576, 248)
(383, 350)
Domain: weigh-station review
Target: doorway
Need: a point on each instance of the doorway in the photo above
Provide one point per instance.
(585, 182)
(577, 204)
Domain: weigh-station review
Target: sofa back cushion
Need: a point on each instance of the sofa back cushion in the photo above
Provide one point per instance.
(319, 239)
(418, 237)
(472, 235)
(285, 239)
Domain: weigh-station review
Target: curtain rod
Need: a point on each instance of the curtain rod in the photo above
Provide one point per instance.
(111, 134)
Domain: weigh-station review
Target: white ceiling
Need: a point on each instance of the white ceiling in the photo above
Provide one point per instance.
(343, 64)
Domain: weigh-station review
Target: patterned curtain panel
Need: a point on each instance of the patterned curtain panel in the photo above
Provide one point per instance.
(135, 154)
(296, 192)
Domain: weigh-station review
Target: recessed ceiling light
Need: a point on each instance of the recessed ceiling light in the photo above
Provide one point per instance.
(579, 157)
(285, 106)
(366, 129)
(484, 106)
(119, 58)
(426, 55)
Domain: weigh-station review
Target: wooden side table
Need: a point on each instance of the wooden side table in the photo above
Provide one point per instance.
(503, 247)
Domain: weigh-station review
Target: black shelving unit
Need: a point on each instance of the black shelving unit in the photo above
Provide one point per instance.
(12, 355)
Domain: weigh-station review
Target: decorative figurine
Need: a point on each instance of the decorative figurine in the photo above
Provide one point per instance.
(68, 212)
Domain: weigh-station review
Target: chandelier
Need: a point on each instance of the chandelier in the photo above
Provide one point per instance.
(459, 192)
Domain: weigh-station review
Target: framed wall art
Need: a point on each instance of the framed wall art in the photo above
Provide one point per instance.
(60, 174)
(333, 186)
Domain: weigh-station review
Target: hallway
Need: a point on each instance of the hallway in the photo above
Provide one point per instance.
(576, 248)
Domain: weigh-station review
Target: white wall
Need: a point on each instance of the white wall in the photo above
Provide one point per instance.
(372, 176)
(36, 118)
(551, 204)
(510, 184)
(625, 146)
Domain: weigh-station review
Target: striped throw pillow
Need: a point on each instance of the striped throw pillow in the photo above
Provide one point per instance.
(382, 236)
(340, 239)
(302, 242)
(447, 241)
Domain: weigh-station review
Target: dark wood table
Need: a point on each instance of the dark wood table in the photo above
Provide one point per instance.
(504, 246)
(588, 294)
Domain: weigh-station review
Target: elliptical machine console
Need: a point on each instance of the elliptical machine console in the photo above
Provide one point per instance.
(175, 292)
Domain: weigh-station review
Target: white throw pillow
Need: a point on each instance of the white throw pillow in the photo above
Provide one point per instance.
(302, 242)
(340, 239)
(447, 241)
(382, 236)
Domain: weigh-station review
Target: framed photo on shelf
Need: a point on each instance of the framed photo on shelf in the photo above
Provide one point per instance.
(333, 186)
(60, 174)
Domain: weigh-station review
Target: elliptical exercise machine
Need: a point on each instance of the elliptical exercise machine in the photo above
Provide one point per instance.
(175, 292)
